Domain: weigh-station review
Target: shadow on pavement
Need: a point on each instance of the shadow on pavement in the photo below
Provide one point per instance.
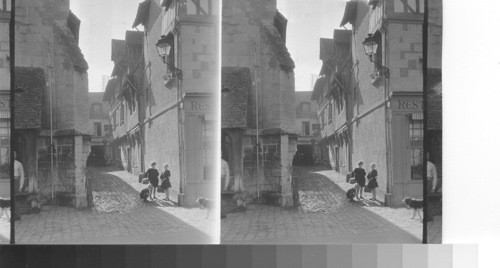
(118, 216)
(324, 216)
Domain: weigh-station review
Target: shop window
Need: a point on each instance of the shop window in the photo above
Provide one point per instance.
(208, 148)
(416, 149)
(306, 129)
(97, 129)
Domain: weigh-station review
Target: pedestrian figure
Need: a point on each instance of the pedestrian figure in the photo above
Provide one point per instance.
(225, 175)
(359, 175)
(152, 174)
(18, 174)
(165, 181)
(431, 184)
(372, 181)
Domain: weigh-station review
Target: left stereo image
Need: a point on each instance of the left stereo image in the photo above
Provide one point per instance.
(115, 124)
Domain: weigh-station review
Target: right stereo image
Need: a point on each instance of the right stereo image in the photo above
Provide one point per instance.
(331, 121)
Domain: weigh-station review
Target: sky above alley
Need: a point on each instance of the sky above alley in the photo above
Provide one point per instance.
(101, 21)
(308, 21)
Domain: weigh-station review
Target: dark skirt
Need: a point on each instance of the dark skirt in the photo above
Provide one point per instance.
(154, 181)
(165, 184)
(361, 182)
(373, 183)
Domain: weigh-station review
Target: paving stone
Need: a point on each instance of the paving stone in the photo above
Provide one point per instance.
(118, 212)
(324, 211)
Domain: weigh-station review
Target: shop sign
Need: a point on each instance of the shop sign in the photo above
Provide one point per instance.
(5, 104)
(198, 105)
(407, 105)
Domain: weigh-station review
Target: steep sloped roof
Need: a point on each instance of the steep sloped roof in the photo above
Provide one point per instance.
(278, 46)
(142, 13)
(70, 46)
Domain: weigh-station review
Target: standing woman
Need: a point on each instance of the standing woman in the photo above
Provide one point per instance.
(359, 175)
(165, 181)
(372, 181)
(152, 175)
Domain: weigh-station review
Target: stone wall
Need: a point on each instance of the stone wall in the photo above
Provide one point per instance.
(43, 39)
(250, 39)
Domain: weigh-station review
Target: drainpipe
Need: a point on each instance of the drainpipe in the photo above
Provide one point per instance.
(49, 73)
(257, 83)
(388, 126)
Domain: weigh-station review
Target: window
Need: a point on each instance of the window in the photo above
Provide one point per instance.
(5, 5)
(322, 118)
(330, 112)
(315, 127)
(107, 128)
(97, 129)
(305, 106)
(96, 108)
(305, 129)
(122, 114)
(270, 152)
(416, 149)
(114, 118)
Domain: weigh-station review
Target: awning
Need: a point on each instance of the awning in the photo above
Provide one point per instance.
(108, 92)
(349, 13)
(325, 48)
(142, 14)
(166, 3)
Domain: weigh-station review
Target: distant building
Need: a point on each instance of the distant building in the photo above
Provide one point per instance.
(308, 128)
(51, 117)
(371, 108)
(258, 117)
(5, 9)
(101, 130)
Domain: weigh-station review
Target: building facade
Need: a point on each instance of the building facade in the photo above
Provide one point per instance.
(257, 68)
(308, 129)
(101, 130)
(5, 14)
(51, 90)
(380, 96)
(171, 100)
(122, 96)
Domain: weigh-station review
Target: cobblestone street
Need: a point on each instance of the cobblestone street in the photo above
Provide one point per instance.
(118, 216)
(325, 216)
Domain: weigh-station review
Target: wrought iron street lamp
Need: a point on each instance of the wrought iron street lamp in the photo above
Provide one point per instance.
(370, 44)
(164, 48)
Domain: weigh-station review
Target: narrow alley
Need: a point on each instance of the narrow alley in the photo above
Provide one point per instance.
(324, 216)
(117, 217)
